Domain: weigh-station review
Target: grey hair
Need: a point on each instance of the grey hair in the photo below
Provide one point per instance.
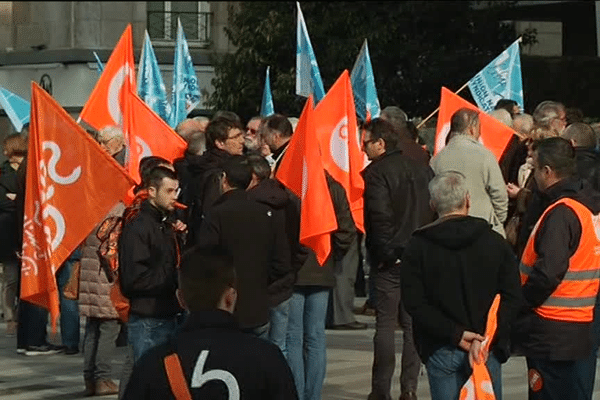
(503, 116)
(546, 112)
(110, 132)
(201, 119)
(448, 192)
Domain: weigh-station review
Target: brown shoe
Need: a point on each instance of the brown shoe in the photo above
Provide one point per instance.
(90, 388)
(105, 387)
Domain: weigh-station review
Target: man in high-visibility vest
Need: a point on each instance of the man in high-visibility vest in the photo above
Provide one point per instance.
(560, 270)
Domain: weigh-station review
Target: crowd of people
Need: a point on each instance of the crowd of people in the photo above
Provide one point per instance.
(202, 276)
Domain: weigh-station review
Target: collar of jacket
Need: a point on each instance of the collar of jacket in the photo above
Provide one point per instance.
(382, 157)
(280, 150)
(464, 137)
(232, 194)
(157, 214)
(567, 187)
(209, 319)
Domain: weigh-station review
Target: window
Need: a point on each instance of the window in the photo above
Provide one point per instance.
(195, 18)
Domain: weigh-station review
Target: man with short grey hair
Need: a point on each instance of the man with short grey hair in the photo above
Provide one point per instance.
(451, 271)
(465, 154)
(583, 139)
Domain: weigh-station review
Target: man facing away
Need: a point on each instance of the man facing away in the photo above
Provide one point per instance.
(451, 271)
(465, 154)
(216, 359)
(148, 261)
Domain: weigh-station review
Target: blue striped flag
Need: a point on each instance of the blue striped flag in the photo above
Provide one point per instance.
(363, 86)
(186, 93)
(308, 77)
(151, 87)
(500, 79)
(267, 107)
(16, 108)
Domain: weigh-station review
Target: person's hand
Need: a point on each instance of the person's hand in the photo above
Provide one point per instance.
(179, 226)
(264, 150)
(468, 338)
(11, 196)
(513, 190)
(477, 354)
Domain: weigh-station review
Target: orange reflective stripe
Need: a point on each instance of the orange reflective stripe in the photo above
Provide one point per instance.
(578, 314)
(179, 385)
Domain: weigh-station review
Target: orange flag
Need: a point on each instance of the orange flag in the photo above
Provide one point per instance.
(301, 170)
(494, 134)
(149, 135)
(479, 386)
(337, 132)
(71, 185)
(106, 104)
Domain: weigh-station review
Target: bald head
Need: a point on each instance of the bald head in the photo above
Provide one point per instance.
(580, 135)
(465, 122)
(503, 116)
(192, 127)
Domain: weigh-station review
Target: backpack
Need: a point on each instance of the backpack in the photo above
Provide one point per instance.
(108, 233)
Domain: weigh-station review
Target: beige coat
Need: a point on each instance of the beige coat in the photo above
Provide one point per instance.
(489, 197)
(94, 288)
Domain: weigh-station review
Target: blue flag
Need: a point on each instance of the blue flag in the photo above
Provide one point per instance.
(186, 93)
(267, 107)
(363, 86)
(500, 79)
(151, 87)
(99, 65)
(17, 108)
(308, 77)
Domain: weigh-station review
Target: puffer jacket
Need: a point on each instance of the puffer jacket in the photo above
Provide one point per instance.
(94, 288)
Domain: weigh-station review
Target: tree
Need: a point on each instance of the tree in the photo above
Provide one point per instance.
(416, 47)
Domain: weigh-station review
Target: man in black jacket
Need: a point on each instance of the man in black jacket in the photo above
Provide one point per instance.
(218, 361)
(583, 139)
(451, 271)
(148, 261)
(396, 203)
(224, 138)
(253, 236)
(286, 208)
(559, 277)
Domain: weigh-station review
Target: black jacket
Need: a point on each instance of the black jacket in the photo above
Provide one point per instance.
(201, 186)
(396, 203)
(251, 234)
(148, 262)
(257, 367)
(588, 166)
(9, 243)
(450, 272)
(556, 240)
(311, 273)
(274, 195)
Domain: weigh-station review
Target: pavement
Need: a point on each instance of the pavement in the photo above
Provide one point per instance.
(349, 361)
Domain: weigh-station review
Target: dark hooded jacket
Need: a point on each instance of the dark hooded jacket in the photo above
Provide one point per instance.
(557, 238)
(273, 194)
(588, 166)
(450, 271)
(203, 188)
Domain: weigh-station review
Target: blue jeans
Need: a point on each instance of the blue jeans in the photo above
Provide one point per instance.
(305, 342)
(448, 369)
(69, 309)
(144, 333)
(279, 316)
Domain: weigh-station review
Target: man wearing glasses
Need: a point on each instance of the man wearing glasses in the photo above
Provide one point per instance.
(224, 139)
(396, 203)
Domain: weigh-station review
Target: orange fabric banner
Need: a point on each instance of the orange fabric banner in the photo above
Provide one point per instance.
(106, 104)
(71, 184)
(479, 386)
(301, 170)
(149, 135)
(494, 134)
(337, 132)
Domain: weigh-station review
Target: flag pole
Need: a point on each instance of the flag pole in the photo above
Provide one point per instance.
(519, 39)
(437, 109)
